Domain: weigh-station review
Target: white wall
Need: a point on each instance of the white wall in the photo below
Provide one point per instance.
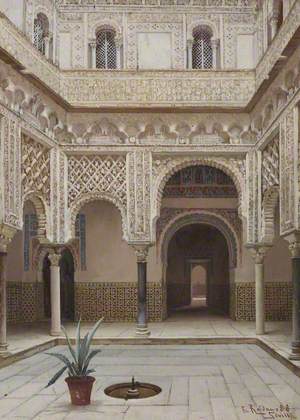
(245, 51)
(65, 55)
(14, 10)
(154, 50)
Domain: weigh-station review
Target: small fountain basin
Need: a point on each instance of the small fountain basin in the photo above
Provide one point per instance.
(132, 390)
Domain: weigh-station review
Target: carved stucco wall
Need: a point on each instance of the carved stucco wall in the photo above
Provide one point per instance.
(10, 146)
(224, 24)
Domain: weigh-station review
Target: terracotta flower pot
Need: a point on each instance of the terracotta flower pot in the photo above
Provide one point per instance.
(80, 389)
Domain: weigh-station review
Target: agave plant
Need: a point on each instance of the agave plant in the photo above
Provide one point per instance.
(81, 355)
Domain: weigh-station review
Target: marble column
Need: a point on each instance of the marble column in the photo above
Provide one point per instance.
(190, 53)
(54, 259)
(3, 338)
(258, 253)
(93, 45)
(294, 246)
(274, 25)
(142, 319)
(215, 47)
(47, 41)
(118, 53)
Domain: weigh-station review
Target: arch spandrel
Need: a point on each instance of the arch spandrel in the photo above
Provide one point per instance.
(206, 218)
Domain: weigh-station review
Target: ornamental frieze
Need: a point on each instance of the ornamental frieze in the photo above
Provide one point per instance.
(158, 88)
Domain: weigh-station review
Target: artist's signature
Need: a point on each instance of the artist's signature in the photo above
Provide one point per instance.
(284, 411)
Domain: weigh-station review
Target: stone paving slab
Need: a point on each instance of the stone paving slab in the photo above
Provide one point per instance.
(199, 382)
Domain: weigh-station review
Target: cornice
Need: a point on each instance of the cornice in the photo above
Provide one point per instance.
(242, 5)
(216, 150)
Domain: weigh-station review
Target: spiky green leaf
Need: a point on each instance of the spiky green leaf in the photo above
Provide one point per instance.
(78, 339)
(72, 352)
(93, 331)
(63, 359)
(83, 352)
(56, 376)
(92, 354)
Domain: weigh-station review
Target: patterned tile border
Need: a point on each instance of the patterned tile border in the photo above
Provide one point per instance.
(278, 301)
(25, 302)
(115, 301)
(118, 301)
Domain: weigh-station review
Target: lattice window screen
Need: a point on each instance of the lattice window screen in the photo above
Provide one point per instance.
(106, 53)
(38, 36)
(202, 50)
(30, 230)
(80, 228)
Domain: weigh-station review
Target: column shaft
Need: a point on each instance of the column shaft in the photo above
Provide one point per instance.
(296, 309)
(93, 54)
(190, 54)
(3, 316)
(142, 326)
(55, 294)
(259, 298)
(142, 295)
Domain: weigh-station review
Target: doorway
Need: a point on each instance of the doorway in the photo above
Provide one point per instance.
(197, 275)
(198, 271)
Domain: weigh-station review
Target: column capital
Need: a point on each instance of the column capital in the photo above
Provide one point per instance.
(258, 251)
(92, 43)
(294, 244)
(6, 235)
(215, 42)
(54, 257)
(141, 251)
(189, 42)
(119, 42)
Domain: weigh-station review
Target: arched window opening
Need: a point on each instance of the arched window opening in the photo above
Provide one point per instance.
(202, 53)
(40, 32)
(106, 52)
(280, 14)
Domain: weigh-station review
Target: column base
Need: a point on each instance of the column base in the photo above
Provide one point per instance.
(55, 333)
(3, 350)
(295, 351)
(142, 331)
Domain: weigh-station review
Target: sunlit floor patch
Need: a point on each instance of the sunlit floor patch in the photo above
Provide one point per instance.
(222, 382)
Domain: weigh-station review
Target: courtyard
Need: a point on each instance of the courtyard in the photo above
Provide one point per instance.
(149, 176)
(208, 367)
(212, 381)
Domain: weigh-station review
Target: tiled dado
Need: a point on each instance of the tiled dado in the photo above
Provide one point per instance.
(278, 301)
(115, 301)
(25, 302)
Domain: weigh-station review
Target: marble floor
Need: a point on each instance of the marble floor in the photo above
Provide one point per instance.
(218, 382)
(188, 324)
